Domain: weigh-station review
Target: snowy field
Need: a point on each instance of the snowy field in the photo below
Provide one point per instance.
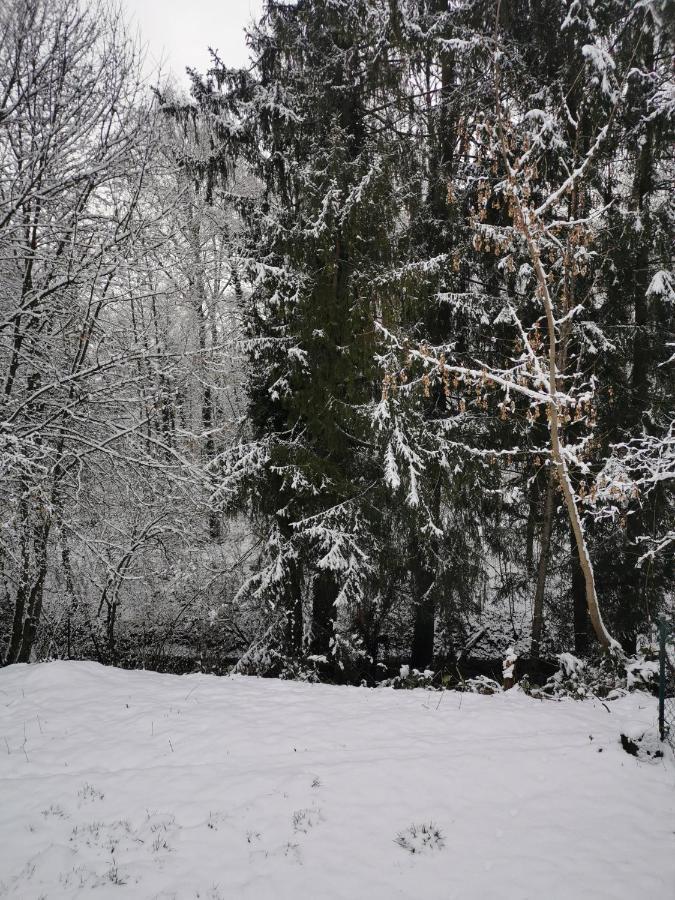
(121, 784)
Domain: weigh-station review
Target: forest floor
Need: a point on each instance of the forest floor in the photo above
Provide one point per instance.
(139, 785)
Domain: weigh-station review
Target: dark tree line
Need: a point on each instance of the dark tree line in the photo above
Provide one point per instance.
(384, 246)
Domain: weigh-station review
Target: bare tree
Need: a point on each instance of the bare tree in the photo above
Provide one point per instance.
(73, 152)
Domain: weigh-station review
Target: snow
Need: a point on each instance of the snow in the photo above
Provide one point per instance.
(139, 785)
(662, 285)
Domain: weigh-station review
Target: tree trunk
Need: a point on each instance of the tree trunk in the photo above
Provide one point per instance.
(423, 601)
(642, 188)
(293, 610)
(111, 616)
(422, 656)
(542, 568)
(14, 647)
(324, 594)
(582, 638)
(557, 455)
(603, 636)
(34, 606)
(530, 527)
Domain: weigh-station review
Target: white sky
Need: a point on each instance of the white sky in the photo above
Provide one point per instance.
(179, 32)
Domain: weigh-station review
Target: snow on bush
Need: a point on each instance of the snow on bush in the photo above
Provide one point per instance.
(604, 677)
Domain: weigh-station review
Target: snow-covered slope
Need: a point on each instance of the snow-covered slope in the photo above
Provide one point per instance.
(133, 784)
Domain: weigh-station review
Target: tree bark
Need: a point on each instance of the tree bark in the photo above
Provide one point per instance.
(324, 594)
(423, 601)
(542, 568)
(422, 656)
(531, 525)
(557, 455)
(34, 605)
(293, 610)
(579, 607)
(603, 636)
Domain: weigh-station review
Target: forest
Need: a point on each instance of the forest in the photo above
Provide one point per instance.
(354, 361)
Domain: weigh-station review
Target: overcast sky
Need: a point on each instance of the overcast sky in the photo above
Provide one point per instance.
(179, 32)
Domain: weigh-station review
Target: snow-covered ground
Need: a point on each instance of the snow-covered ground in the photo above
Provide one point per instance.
(133, 784)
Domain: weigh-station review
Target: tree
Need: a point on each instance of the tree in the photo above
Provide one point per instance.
(540, 208)
(71, 127)
(116, 299)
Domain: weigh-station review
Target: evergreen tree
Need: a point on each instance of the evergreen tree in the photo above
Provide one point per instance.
(319, 243)
(392, 402)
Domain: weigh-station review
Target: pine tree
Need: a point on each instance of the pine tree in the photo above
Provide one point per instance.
(319, 242)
